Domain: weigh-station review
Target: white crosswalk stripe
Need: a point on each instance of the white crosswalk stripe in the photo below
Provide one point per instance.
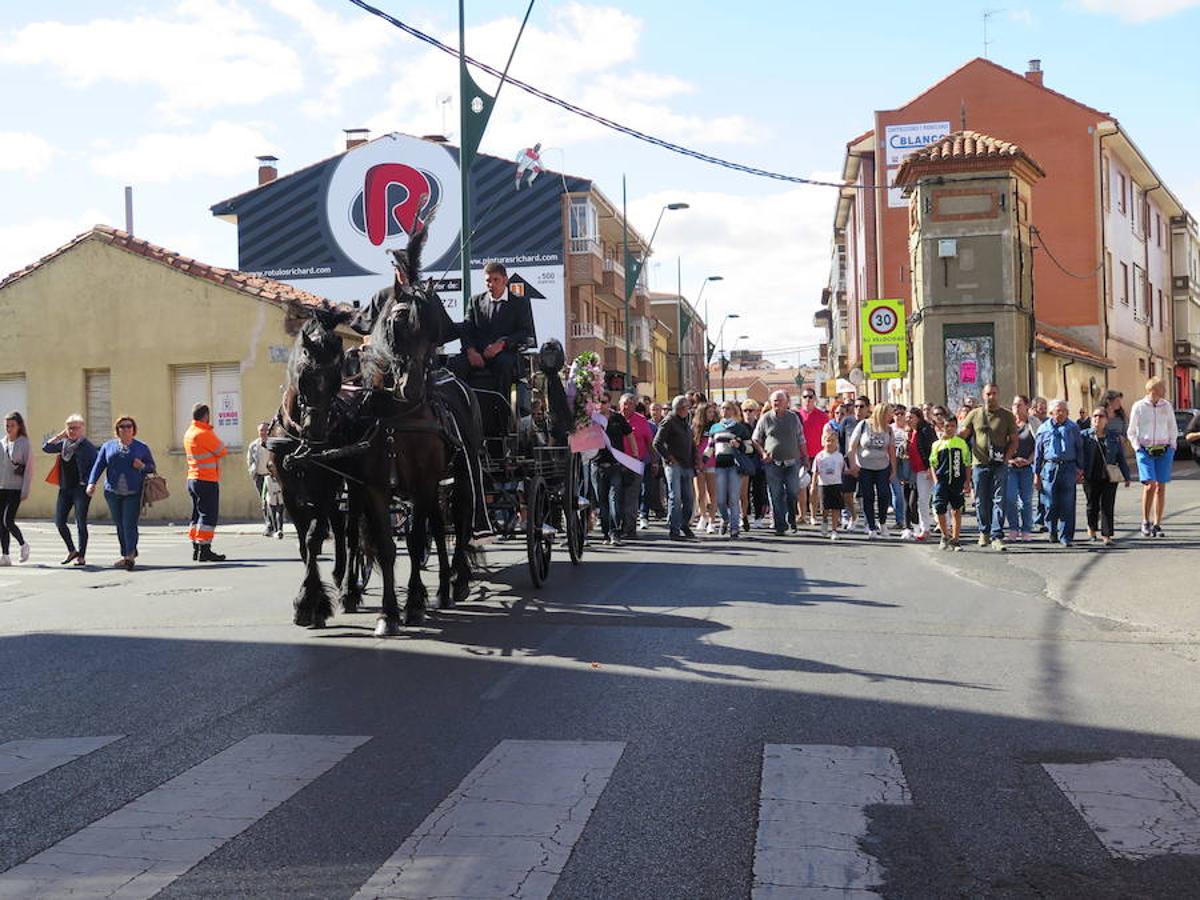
(1137, 808)
(508, 829)
(811, 815)
(147, 844)
(22, 761)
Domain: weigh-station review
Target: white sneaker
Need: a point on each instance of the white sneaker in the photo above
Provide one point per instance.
(4, 560)
(871, 535)
(25, 551)
(833, 536)
(643, 523)
(883, 531)
(710, 528)
(906, 534)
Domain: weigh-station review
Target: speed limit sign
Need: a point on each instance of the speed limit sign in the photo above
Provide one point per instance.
(884, 341)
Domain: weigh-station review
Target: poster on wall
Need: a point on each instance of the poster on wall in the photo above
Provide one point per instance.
(229, 410)
(967, 357)
(901, 140)
(968, 371)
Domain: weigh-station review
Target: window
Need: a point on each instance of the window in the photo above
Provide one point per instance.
(1124, 284)
(1108, 278)
(1158, 235)
(1141, 365)
(1121, 193)
(1149, 301)
(1135, 209)
(1161, 312)
(1139, 292)
(585, 231)
(1105, 183)
(220, 386)
(98, 404)
(13, 395)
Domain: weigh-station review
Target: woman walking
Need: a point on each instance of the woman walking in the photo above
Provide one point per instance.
(754, 496)
(125, 462)
(76, 456)
(919, 488)
(873, 460)
(16, 477)
(1018, 485)
(703, 419)
(1103, 458)
(1153, 432)
(728, 438)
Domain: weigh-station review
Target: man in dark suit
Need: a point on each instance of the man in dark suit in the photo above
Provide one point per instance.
(495, 329)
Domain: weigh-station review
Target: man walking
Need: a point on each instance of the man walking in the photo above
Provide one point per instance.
(1057, 468)
(779, 438)
(637, 445)
(256, 466)
(204, 452)
(991, 432)
(813, 420)
(673, 442)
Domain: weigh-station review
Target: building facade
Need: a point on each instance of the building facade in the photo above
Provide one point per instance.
(686, 343)
(1099, 262)
(1185, 295)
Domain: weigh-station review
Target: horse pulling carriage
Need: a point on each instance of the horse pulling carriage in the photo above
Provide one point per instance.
(414, 434)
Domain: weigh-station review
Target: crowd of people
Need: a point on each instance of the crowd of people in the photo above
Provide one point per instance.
(726, 469)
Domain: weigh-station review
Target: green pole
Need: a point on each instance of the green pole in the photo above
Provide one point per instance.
(628, 272)
(465, 93)
(679, 318)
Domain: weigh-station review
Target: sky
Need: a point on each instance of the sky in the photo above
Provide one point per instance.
(178, 98)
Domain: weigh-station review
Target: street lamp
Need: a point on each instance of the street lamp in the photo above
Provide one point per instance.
(704, 348)
(633, 270)
(721, 344)
(725, 362)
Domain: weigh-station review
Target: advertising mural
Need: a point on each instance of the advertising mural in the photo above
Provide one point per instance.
(901, 140)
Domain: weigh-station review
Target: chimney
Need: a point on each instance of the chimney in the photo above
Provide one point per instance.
(1035, 72)
(435, 138)
(356, 136)
(267, 171)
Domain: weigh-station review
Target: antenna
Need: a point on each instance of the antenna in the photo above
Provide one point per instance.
(443, 100)
(987, 15)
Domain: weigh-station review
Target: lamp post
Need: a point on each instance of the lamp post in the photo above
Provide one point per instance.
(633, 269)
(704, 349)
(721, 344)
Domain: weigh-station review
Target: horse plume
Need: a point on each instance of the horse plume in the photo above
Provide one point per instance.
(408, 260)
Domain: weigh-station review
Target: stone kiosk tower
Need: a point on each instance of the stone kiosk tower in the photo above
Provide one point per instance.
(972, 318)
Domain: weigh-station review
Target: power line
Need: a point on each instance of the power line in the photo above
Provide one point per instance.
(1033, 229)
(602, 120)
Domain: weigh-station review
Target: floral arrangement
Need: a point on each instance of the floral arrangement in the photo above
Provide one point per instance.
(586, 378)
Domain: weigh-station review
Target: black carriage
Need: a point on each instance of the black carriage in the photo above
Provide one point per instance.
(533, 483)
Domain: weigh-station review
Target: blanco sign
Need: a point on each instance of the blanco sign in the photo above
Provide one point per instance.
(901, 140)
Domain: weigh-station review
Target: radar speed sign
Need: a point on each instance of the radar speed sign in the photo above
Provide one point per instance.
(884, 341)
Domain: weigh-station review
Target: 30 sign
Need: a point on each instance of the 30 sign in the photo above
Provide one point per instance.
(884, 339)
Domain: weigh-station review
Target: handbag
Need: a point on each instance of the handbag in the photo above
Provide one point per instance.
(1115, 475)
(55, 474)
(745, 463)
(154, 489)
(804, 479)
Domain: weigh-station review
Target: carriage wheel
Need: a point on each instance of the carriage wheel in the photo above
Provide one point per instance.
(538, 542)
(574, 518)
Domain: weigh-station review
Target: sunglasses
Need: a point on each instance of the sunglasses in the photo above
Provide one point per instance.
(124, 425)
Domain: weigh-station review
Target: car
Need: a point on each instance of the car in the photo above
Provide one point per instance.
(1183, 448)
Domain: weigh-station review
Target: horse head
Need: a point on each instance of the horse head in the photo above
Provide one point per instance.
(315, 370)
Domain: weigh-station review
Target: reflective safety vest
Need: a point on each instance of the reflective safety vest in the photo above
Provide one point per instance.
(204, 449)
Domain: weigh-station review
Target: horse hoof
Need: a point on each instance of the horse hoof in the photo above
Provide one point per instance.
(349, 602)
(460, 593)
(303, 619)
(414, 617)
(387, 628)
(318, 622)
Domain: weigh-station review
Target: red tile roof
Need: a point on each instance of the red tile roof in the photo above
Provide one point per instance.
(1057, 342)
(970, 145)
(254, 285)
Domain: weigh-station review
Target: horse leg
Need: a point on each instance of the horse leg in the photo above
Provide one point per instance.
(351, 596)
(438, 527)
(379, 528)
(464, 518)
(308, 604)
(414, 606)
(321, 603)
(337, 522)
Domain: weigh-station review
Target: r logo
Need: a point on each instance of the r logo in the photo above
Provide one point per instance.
(395, 199)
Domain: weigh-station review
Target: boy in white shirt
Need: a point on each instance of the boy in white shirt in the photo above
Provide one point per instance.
(827, 472)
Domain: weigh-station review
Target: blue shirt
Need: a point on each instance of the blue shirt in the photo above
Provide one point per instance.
(1057, 444)
(122, 478)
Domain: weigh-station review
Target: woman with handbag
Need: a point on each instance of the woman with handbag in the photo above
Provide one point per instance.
(125, 462)
(74, 457)
(727, 440)
(1103, 467)
(16, 477)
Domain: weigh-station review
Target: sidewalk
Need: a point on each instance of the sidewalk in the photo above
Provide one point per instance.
(1145, 583)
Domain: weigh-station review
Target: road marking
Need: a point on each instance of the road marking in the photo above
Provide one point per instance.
(22, 761)
(812, 812)
(1137, 807)
(508, 829)
(148, 843)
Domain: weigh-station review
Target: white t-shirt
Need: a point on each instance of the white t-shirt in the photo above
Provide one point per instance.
(828, 468)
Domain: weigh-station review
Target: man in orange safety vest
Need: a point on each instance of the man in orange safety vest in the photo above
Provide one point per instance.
(204, 451)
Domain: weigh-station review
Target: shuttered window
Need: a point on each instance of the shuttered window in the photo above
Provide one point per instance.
(98, 410)
(13, 395)
(220, 386)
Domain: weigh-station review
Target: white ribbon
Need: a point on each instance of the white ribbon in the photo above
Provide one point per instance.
(632, 464)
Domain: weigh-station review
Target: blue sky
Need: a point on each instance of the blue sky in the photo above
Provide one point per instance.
(176, 98)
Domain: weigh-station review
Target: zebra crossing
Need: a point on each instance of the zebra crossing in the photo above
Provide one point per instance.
(510, 826)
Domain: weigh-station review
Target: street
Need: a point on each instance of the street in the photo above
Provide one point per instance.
(776, 717)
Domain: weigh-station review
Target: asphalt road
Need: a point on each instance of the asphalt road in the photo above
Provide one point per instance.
(782, 716)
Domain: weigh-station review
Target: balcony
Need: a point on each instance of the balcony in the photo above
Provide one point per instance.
(586, 337)
(613, 280)
(645, 371)
(587, 330)
(584, 263)
(616, 340)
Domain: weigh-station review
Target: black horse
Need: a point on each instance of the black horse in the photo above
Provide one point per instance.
(311, 420)
(428, 426)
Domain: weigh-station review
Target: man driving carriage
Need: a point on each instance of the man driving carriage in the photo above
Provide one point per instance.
(496, 327)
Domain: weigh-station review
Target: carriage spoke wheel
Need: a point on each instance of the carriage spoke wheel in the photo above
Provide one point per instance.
(538, 542)
(574, 518)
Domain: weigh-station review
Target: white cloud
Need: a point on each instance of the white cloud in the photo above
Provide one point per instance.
(1021, 17)
(563, 59)
(1138, 10)
(203, 55)
(27, 242)
(23, 152)
(225, 149)
(771, 250)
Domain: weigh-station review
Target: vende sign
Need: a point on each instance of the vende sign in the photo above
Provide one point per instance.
(900, 141)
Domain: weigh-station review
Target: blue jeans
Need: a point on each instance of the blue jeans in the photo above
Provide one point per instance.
(1058, 496)
(1018, 486)
(126, 509)
(729, 496)
(783, 485)
(610, 486)
(67, 498)
(989, 498)
(681, 499)
(898, 504)
(875, 486)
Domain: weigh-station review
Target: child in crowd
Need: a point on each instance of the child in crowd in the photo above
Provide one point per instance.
(827, 470)
(273, 498)
(950, 462)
